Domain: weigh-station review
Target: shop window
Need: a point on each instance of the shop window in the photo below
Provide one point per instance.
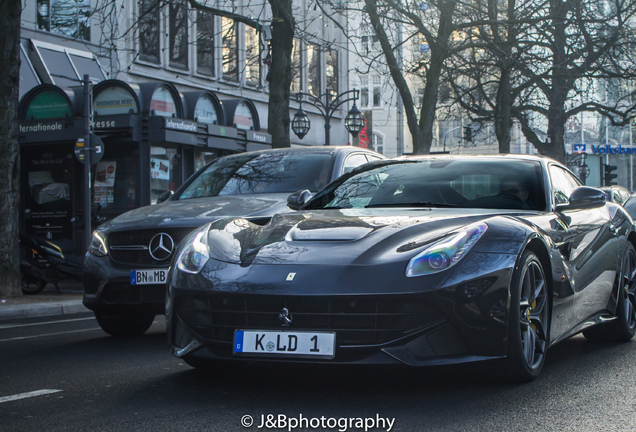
(332, 73)
(116, 180)
(178, 34)
(313, 73)
(296, 84)
(202, 158)
(230, 49)
(149, 30)
(252, 57)
(70, 18)
(50, 186)
(205, 43)
(165, 171)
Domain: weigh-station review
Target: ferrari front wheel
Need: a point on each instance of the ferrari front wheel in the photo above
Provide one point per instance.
(528, 320)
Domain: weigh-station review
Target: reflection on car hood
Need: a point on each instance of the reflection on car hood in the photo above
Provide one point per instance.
(196, 212)
(339, 237)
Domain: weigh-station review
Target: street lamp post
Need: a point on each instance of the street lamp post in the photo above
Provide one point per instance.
(353, 122)
(446, 134)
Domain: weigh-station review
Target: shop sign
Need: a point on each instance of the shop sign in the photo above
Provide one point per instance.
(181, 125)
(259, 137)
(205, 111)
(603, 150)
(364, 137)
(41, 127)
(48, 105)
(105, 124)
(162, 104)
(223, 131)
(114, 100)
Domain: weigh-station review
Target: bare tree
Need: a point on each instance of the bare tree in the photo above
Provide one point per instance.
(10, 13)
(280, 72)
(484, 76)
(580, 46)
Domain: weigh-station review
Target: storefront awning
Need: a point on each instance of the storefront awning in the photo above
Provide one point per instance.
(64, 67)
(28, 77)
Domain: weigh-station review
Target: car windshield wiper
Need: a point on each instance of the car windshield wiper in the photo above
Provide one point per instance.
(412, 204)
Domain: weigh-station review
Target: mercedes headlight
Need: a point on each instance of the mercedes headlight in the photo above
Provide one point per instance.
(98, 244)
(445, 253)
(195, 253)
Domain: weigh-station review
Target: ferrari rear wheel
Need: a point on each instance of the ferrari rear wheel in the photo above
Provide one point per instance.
(529, 319)
(623, 328)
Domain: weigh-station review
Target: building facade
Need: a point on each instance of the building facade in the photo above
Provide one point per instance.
(171, 88)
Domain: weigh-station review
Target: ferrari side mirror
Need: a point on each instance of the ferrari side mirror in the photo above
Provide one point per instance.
(584, 197)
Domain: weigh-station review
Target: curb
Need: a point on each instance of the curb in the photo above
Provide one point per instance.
(67, 307)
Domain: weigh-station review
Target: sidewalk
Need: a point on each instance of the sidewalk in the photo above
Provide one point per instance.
(47, 303)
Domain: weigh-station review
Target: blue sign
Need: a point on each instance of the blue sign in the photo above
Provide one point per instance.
(578, 148)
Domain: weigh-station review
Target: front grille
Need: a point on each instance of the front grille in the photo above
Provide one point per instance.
(140, 239)
(358, 320)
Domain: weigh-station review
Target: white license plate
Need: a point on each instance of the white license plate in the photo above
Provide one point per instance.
(285, 343)
(147, 277)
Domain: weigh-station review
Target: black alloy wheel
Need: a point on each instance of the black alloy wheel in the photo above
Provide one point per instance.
(529, 320)
(627, 295)
(625, 325)
(623, 328)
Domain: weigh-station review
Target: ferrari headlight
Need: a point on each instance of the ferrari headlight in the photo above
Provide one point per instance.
(445, 253)
(98, 244)
(194, 254)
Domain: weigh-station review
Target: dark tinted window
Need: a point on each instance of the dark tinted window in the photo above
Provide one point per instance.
(262, 173)
(485, 183)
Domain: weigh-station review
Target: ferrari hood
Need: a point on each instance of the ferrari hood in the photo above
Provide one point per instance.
(196, 212)
(337, 237)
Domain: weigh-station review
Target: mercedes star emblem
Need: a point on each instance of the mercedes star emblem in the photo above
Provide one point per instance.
(161, 246)
(285, 317)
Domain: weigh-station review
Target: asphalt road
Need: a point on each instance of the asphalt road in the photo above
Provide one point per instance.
(70, 376)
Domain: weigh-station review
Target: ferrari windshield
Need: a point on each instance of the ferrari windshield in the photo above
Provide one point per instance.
(261, 173)
(445, 182)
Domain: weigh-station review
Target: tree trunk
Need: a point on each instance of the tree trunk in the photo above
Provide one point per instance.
(10, 11)
(503, 112)
(280, 72)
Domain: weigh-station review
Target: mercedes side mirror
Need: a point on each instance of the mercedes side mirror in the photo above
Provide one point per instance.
(298, 199)
(164, 196)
